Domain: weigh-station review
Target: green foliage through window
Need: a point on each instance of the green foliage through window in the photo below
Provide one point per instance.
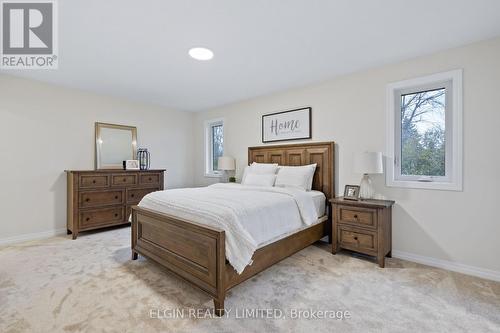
(423, 133)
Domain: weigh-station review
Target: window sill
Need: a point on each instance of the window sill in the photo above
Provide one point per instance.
(445, 186)
(213, 175)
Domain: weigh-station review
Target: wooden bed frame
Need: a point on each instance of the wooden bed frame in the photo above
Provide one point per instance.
(196, 252)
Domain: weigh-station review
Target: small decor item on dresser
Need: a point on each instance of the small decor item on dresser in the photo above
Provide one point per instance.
(351, 192)
(232, 179)
(131, 165)
(287, 125)
(144, 158)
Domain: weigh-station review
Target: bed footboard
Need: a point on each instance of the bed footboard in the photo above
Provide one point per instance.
(197, 253)
(194, 252)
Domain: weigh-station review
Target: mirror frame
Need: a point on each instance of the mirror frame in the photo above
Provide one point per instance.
(98, 127)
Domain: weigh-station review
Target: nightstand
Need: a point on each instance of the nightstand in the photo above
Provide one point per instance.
(363, 226)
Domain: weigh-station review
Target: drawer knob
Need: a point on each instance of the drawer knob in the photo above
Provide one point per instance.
(150, 179)
(355, 237)
(132, 195)
(87, 200)
(93, 181)
(116, 214)
(116, 197)
(87, 219)
(355, 216)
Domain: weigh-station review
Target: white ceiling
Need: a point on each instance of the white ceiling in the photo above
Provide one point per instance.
(138, 49)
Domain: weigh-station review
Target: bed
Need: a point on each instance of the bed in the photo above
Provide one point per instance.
(195, 250)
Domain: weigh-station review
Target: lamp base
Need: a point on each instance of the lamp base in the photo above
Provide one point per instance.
(225, 177)
(366, 190)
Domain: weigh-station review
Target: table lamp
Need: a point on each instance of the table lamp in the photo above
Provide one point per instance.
(368, 163)
(225, 164)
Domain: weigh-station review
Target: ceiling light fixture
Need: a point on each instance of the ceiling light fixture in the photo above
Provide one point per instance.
(201, 53)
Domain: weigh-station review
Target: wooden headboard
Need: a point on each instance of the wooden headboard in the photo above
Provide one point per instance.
(321, 153)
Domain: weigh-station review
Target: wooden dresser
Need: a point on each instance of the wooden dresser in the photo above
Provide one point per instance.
(102, 198)
(363, 226)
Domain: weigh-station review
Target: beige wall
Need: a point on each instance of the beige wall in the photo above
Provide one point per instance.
(461, 227)
(46, 129)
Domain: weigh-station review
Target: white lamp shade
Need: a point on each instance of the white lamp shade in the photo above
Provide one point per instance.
(226, 163)
(368, 162)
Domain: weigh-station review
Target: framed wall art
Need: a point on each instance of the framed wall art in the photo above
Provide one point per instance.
(287, 125)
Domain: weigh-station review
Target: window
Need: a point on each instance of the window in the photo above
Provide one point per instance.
(424, 139)
(214, 146)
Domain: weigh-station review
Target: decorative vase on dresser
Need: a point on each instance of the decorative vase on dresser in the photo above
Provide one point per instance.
(102, 198)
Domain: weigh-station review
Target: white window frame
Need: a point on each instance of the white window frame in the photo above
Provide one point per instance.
(209, 171)
(452, 80)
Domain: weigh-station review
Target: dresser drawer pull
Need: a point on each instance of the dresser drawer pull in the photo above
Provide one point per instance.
(355, 237)
(356, 216)
(116, 197)
(124, 179)
(150, 179)
(132, 195)
(88, 199)
(87, 219)
(116, 214)
(93, 181)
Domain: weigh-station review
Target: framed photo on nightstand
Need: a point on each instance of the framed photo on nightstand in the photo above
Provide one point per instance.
(351, 192)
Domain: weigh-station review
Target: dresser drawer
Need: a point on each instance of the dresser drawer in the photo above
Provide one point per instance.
(357, 239)
(123, 179)
(103, 216)
(363, 217)
(91, 181)
(103, 198)
(135, 195)
(149, 179)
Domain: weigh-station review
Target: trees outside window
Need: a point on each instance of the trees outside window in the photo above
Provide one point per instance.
(423, 129)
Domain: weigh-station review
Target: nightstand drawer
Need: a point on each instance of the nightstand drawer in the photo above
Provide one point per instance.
(357, 239)
(365, 217)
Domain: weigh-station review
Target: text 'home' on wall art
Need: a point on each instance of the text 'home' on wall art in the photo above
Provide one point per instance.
(287, 125)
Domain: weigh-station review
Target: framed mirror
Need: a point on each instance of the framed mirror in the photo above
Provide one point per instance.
(114, 144)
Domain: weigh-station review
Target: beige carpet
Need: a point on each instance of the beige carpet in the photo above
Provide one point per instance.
(91, 285)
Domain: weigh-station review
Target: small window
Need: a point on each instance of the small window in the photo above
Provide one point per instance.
(214, 143)
(425, 132)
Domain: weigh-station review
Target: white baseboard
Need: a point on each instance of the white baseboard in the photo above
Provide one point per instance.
(32, 236)
(449, 265)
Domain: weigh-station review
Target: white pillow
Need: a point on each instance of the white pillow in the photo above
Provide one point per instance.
(296, 176)
(259, 179)
(264, 168)
(259, 168)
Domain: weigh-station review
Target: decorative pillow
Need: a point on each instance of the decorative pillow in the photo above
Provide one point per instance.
(296, 176)
(256, 179)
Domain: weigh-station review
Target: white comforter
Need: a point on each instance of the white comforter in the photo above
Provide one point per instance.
(249, 215)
